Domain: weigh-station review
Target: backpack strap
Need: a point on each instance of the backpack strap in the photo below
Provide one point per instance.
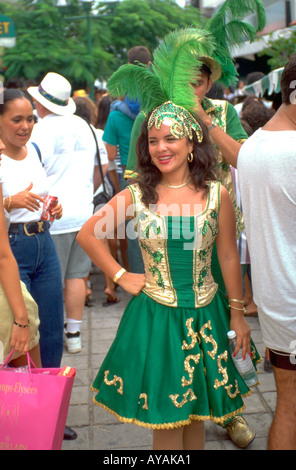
(98, 155)
(38, 152)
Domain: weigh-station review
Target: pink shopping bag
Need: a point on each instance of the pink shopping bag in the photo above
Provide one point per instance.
(34, 406)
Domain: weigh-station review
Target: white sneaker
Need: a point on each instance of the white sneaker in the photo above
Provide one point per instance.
(73, 342)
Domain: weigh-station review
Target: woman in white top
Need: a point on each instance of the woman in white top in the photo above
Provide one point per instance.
(18, 331)
(24, 185)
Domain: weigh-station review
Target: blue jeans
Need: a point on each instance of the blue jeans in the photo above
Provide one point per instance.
(40, 270)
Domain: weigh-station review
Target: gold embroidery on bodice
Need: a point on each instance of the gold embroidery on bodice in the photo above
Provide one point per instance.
(218, 114)
(152, 232)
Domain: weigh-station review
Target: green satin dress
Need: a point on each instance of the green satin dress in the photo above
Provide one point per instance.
(170, 363)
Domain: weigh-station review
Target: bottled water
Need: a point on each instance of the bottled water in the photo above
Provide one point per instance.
(244, 366)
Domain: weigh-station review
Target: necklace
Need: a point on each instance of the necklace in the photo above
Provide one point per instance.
(176, 187)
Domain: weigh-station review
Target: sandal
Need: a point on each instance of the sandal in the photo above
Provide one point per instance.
(111, 299)
(89, 301)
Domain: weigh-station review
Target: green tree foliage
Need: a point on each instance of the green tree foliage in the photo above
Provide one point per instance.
(46, 40)
(138, 22)
(54, 39)
(50, 38)
(280, 51)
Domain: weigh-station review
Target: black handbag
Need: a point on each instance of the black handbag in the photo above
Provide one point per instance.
(104, 196)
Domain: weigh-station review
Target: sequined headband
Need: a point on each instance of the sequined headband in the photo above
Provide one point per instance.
(183, 124)
(52, 98)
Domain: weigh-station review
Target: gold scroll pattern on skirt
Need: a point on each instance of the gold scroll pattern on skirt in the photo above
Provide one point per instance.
(189, 367)
(190, 362)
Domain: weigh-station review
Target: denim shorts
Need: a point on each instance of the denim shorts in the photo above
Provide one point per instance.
(39, 269)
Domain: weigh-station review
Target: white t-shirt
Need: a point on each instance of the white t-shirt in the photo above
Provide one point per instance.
(266, 175)
(68, 152)
(17, 175)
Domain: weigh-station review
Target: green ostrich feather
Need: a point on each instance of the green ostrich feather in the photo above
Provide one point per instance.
(229, 29)
(178, 58)
(174, 68)
(236, 10)
(137, 81)
(176, 62)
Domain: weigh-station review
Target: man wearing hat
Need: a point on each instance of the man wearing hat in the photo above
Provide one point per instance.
(68, 153)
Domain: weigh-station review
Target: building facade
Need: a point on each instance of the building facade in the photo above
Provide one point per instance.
(279, 13)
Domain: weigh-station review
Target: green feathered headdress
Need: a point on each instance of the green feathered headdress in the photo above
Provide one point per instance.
(168, 81)
(178, 59)
(170, 76)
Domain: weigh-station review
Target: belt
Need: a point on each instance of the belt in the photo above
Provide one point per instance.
(29, 228)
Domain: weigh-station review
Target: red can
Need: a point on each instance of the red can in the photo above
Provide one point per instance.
(49, 203)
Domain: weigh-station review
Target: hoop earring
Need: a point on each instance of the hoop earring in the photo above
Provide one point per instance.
(190, 157)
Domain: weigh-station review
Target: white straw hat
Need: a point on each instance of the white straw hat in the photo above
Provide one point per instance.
(54, 93)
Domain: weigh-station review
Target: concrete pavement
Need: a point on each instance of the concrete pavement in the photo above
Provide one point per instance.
(99, 430)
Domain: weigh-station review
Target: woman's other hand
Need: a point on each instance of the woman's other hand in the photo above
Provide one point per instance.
(243, 333)
(132, 283)
(27, 200)
(20, 339)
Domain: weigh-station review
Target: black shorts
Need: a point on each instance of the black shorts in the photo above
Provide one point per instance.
(282, 360)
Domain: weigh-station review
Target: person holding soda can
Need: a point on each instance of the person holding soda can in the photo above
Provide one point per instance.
(19, 314)
(49, 203)
(25, 189)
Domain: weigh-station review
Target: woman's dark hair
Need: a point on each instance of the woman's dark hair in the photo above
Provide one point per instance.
(256, 114)
(82, 110)
(86, 109)
(11, 94)
(203, 168)
(249, 100)
(247, 128)
(103, 111)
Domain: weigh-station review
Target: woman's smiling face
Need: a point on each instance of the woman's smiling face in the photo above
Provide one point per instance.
(167, 152)
(17, 122)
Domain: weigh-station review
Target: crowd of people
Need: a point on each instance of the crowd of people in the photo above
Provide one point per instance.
(213, 168)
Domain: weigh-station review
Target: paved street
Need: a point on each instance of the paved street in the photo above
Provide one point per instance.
(99, 430)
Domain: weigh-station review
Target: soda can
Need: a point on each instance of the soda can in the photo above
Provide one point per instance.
(49, 203)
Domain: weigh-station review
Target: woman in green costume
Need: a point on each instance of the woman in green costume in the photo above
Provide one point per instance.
(169, 367)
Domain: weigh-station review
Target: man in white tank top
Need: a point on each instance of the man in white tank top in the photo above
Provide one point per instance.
(266, 173)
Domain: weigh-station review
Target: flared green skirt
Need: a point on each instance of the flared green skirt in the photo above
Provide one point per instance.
(168, 366)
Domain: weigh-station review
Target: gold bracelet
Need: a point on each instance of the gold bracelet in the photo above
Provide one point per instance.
(4, 202)
(9, 204)
(236, 300)
(235, 308)
(118, 275)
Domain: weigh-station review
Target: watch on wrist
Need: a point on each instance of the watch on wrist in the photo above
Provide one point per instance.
(212, 126)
